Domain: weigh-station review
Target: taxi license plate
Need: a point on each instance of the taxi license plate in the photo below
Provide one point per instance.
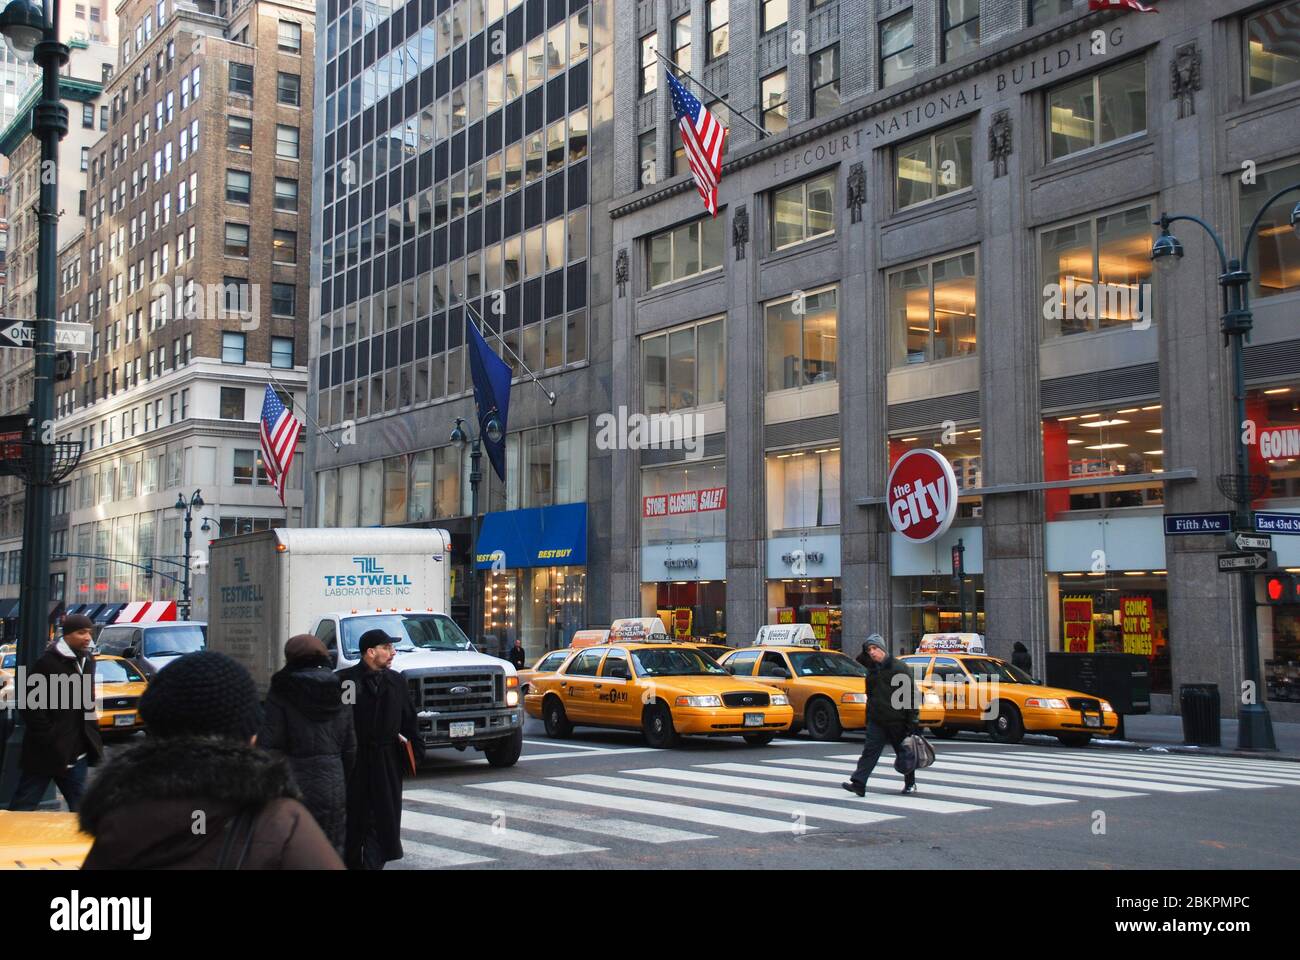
(465, 729)
(1091, 721)
(753, 719)
(124, 720)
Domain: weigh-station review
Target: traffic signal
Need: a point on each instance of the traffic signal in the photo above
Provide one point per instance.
(64, 365)
(1282, 588)
(148, 569)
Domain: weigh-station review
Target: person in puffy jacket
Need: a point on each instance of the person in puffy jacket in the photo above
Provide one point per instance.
(306, 720)
(891, 713)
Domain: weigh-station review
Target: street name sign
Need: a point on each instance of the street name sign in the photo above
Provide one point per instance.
(1277, 522)
(1242, 561)
(1184, 523)
(76, 337)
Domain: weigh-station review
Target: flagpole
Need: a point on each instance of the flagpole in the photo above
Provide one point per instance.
(550, 397)
(307, 416)
(730, 108)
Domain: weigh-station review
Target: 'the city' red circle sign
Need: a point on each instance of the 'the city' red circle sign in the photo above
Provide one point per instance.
(922, 495)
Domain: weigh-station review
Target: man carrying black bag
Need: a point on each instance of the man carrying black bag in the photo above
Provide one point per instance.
(891, 715)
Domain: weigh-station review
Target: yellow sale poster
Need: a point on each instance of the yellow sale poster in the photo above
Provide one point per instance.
(1076, 624)
(1139, 632)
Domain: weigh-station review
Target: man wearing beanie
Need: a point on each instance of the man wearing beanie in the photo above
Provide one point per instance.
(197, 794)
(891, 712)
(62, 736)
(381, 713)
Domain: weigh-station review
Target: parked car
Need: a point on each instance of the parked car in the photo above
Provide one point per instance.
(118, 689)
(151, 646)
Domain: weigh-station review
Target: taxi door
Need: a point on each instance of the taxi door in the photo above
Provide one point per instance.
(774, 670)
(962, 700)
(577, 685)
(617, 696)
(741, 663)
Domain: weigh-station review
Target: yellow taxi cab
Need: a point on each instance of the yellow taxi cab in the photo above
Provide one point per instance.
(826, 688)
(8, 668)
(666, 690)
(716, 650)
(118, 689)
(549, 663)
(984, 693)
(42, 840)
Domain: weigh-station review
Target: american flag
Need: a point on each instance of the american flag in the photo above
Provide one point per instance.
(1121, 5)
(703, 138)
(280, 431)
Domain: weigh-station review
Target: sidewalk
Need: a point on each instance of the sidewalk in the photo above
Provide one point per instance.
(1165, 730)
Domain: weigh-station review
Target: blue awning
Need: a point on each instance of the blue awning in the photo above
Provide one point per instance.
(107, 612)
(537, 537)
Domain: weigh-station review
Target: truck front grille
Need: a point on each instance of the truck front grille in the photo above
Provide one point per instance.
(446, 692)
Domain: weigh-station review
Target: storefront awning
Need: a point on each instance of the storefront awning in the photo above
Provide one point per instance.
(537, 537)
(107, 612)
(150, 611)
(78, 608)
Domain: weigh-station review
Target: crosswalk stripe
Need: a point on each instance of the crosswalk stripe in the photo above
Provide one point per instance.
(1084, 766)
(584, 753)
(788, 808)
(1011, 768)
(508, 839)
(938, 772)
(910, 804)
(608, 826)
(427, 855)
(655, 808)
(1269, 769)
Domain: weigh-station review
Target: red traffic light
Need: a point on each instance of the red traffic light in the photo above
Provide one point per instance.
(1282, 588)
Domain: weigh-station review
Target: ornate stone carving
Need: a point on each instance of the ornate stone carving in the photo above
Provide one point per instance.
(857, 191)
(1185, 78)
(1000, 142)
(620, 271)
(740, 230)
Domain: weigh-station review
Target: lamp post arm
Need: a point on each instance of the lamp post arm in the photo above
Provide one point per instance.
(1165, 220)
(1254, 224)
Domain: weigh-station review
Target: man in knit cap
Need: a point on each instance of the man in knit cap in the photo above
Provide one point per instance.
(198, 793)
(891, 713)
(62, 736)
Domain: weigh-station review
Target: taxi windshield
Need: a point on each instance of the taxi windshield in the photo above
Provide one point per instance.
(115, 671)
(674, 662)
(984, 669)
(819, 663)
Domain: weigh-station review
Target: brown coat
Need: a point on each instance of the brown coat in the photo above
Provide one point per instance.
(174, 804)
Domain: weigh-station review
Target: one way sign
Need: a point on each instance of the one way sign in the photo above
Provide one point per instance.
(76, 337)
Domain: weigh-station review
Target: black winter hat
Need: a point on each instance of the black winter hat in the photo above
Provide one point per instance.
(373, 638)
(202, 694)
(76, 621)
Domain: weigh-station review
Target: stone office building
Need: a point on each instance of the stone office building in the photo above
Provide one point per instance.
(943, 241)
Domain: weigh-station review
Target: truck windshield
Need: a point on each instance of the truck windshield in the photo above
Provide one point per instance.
(417, 631)
(173, 641)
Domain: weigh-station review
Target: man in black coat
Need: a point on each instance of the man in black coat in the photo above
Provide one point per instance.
(62, 736)
(381, 710)
(891, 712)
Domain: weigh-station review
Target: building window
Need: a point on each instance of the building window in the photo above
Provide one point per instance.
(961, 27)
(88, 116)
(802, 340)
(649, 63)
(1272, 50)
(646, 158)
(775, 103)
(803, 211)
(1041, 10)
(1117, 443)
(85, 159)
(287, 88)
(775, 13)
(232, 403)
(246, 462)
(824, 80)
(238, 185)
(241, 79)
(659, 524)
(685, 367)
(290, 37)
(686, 251)
(235, 299)
(933, 310)
(1097, 109)
(719, 17)
(284, 298)
(682, 41)
(897, 49)
(236, 239)
(232, 347)
(933, 166)
(959, 442)
(286, 142)
(1096, 272)
(803, 490)
(1275, 254)
(282, 352)
(239, 133)
(284, 246)
(286, 194)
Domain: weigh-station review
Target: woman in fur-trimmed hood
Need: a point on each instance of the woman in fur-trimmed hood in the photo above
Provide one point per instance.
(197, 794)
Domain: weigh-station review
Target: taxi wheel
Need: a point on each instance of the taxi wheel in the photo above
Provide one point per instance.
(1074, 739)
(822, 721)
(1007, 727)
(556, 720)
(657, 725)
(759, 739)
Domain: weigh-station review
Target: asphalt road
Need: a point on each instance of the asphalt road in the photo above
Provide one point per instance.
(604, 800)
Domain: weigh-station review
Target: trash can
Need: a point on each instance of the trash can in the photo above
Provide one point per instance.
(1199, 704)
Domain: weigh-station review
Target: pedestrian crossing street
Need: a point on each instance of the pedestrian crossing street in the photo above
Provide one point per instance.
(531, 816)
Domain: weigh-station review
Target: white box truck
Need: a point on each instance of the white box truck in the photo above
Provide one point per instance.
(337, 583)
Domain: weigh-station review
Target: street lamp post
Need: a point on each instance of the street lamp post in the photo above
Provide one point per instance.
(187, 510)
(32, 36)
(458, 436)
(1254, 725)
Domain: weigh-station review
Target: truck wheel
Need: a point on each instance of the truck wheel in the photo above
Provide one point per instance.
(759, 739)
(557, 721)
(657, 726)
(822, 720)
(1075, 739)
(1006, 727)
(505, 752)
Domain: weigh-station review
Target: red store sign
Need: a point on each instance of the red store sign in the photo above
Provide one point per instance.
(922, 495)
(688, 501)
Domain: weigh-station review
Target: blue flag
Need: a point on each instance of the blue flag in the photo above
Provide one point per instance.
(491, 376)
